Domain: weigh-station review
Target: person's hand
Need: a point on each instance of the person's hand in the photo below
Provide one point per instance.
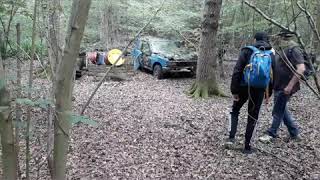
(266, 101)
(236, 97)
(287, 90)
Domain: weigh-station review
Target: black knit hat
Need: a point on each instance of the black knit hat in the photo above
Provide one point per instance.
(261, 36)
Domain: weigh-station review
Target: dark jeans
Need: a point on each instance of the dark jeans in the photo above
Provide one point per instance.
(281, 113)
(255, 96)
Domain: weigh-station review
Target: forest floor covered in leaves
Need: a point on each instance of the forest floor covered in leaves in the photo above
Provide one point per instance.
(150, 129)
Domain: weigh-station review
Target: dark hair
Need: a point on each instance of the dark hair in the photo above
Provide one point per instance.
(261, 36)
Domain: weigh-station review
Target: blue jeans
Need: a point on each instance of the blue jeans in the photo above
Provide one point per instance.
(281, 113)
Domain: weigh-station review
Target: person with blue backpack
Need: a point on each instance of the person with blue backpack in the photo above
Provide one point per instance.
(250, 79)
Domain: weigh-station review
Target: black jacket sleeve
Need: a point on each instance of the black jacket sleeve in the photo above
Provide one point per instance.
(237, 74)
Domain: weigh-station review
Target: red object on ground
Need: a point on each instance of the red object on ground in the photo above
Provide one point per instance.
(92, 56)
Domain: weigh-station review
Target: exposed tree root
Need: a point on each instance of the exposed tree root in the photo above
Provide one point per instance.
(204, 90)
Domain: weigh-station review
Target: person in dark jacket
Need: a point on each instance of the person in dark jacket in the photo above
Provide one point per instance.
(241, 93)
(286, 83)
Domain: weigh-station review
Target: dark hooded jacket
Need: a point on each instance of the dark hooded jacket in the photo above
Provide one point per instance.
(244, 58)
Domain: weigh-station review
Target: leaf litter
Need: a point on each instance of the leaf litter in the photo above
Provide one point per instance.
(150, 129)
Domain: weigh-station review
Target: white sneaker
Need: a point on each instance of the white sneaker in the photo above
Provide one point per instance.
(266, 139)
(229, 144)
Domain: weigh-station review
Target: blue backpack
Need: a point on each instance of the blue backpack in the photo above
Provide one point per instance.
(258, 72)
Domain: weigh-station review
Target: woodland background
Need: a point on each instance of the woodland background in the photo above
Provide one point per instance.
(140, 128)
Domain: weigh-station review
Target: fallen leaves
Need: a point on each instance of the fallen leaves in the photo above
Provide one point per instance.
(149, 129)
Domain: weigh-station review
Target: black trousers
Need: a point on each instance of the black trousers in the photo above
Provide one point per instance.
(255, 97)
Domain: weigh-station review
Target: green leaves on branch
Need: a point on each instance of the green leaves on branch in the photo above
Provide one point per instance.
(83, 119)
(42, 103)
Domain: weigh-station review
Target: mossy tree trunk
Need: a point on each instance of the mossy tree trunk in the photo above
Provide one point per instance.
(9, 156)
(63, 94)
(206, 82)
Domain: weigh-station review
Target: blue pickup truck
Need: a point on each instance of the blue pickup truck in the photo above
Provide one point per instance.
(162, 56)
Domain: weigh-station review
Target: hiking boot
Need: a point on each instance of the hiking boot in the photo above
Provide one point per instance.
(230, 143)
(296, 138)
(248, 150)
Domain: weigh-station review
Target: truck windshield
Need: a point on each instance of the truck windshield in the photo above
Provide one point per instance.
(164, 46)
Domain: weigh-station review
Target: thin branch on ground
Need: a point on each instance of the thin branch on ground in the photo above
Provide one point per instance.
(280, 158)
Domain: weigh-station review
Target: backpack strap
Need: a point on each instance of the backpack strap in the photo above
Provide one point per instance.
(254, 49)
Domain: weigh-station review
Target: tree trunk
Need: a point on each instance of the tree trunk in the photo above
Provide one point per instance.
(222, 71)
(19, 95)
(206, 84)
(33, 48)
(9, 156)
(109, 29)
(55, 56)
(317, 46)
(55, 51)
(63, 94)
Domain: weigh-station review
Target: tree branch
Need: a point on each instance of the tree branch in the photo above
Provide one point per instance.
(266, 17)
(310, 21)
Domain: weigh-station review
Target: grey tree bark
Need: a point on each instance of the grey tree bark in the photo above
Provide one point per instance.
(317, 45)
(9, 156)
(109, 21)
(64, 88)
(55, 55)
(19, 95)
(30, 83)
(206, 83)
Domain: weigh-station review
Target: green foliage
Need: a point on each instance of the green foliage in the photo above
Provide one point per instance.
(27, 89)
(42, 103)
(7, 5)
(25, 101)
(238, 22)
(75, 119)
(241, 19)
(9, 10)
(40, 48)
(132, 15)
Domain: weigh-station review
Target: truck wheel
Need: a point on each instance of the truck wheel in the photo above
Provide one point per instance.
(157, 71)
